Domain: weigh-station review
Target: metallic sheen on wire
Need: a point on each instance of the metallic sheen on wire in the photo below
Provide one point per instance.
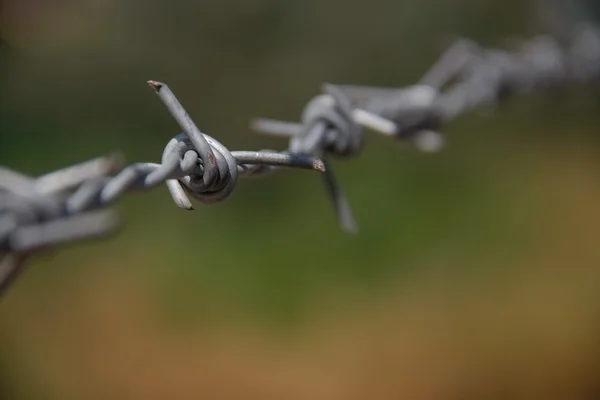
(63, 206)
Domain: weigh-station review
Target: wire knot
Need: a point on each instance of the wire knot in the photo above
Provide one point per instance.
(180, 153)
(196, 164)
(328, 126)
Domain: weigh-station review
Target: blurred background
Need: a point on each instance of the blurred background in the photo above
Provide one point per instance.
(476, 271)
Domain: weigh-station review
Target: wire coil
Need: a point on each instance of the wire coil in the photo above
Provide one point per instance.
(66, 205)
(71, 203)
(465, 78)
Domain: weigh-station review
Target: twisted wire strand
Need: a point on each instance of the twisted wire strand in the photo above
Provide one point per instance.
(465, 78)
(31, 216)
(65, 205)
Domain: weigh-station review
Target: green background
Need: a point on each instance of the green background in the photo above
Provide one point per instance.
(74, 87)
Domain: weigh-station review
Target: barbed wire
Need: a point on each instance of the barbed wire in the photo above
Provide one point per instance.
(71, 204)
(65, 205)
(464, 78)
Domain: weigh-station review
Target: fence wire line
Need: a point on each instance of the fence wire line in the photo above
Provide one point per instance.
(466, 77)
(71, 204)
(66, 205)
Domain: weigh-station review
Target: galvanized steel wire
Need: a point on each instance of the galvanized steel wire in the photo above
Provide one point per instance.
(66, 205)
(71, 204)
(466, 77)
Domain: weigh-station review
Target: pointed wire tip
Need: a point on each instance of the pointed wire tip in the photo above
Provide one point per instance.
(260, 124)
(156, 85)
(185, 206)
(255, 121)
(352, 230)
(319, 165)
(348, 224)
(256, 124)
(327, 86)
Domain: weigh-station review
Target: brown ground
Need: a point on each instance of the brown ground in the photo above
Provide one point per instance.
(528, 334)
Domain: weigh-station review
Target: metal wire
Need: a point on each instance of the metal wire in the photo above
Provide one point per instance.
(465, 78)
(70, 204)
(64, 205)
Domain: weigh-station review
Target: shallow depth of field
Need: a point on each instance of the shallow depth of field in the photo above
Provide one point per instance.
(476, 271)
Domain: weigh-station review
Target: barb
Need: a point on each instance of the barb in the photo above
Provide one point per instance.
(63, 206)
(68, 204)
(330, 126)
(465, 78)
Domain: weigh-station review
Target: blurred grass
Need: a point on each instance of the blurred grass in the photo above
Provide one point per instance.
(525, 328)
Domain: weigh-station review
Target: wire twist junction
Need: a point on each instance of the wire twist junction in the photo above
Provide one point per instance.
(466, 77)
(64, 206)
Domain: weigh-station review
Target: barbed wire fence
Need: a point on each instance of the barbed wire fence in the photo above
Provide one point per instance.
(66, 205)
(465, 78)
(72, 204)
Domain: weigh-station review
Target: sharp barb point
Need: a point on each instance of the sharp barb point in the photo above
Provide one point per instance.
(319, 165)
(156, 85)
